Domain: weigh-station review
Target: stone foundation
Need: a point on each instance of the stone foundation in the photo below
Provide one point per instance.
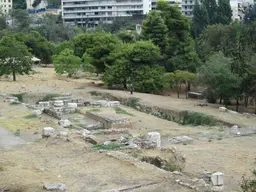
(110, 120)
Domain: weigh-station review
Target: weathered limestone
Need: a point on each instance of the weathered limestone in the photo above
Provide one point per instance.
(217, 179)
(154, 137)
(151, 141)
(55, 187)
(223, 109)
(58, 103)
(48, 132)
(37, 112)
(105, 103)
(110, 120)
(180, 139)
(113, 104)
(44, 104)
(72, 105)
(12, 99)
(64, 123)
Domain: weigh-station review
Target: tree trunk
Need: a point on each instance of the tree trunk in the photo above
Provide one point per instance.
(246, 99)
(14, 76)
(124, 84)
(220, 100)
(255, 106)
(178, 94)
(189, 86)
(237, 104)
(69, 75)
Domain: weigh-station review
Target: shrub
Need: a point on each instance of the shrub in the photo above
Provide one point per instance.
(249, 185)
(132, 102)
(118, 110)
(194, 118)
(95, 93)
(19, 96)
(15, 103)
(112, 146)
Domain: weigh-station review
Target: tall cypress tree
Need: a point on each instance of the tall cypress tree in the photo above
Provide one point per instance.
(224, 12)
(200, 19)
(212, 9)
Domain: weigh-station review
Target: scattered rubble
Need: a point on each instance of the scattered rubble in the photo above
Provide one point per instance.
(151, 141)
(48, 132)
(223, 109)
(64, 123)
(181, 139)
(55, 187)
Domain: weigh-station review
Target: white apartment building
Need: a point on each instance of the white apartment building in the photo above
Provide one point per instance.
(238, 8)
(91, 12)
(5, 6)
(187, 7)
(171, 2)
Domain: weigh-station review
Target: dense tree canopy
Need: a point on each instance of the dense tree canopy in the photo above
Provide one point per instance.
(14, 57)
(66, 62)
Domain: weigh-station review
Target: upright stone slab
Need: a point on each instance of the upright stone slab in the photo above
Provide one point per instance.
(58, 103)
(64, 123)
(217, 179)
(155, 137)
(48, 132)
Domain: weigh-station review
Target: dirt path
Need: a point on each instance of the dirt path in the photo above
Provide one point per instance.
(8, 139)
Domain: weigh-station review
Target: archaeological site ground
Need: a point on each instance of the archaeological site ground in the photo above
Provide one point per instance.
(69, 134)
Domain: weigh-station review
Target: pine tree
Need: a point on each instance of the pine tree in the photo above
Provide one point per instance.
(211, 8)
(154, 29)
(200, 19)
(224, 12)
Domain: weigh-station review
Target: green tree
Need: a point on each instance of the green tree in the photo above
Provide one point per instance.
(212, 10)
(180, 44)
(63, 45)
(179, 78)
(86, 64)
(21, 19)
(200, 19)
(135, 63)
(216, 76)
(224, 12)
(249, 185)
(14, 57)
(154, 29)
(52, 28)
(19, 4)
(66, 62)
(98, 45)
(126, 36)
(3, 24)
(54, 2)
(38, 45)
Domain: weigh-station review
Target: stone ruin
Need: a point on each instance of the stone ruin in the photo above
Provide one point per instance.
(60, 106)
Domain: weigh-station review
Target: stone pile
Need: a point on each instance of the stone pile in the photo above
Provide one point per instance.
(151, 141)
(181, 139)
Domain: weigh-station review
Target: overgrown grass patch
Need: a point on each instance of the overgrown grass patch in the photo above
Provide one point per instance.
(195, 118)
(132, 102)
(31, 116)
(95, 110)
(17, 133)
(112, 146)
(95, 93)
(49, 97)
(15, 103)
(119, 110)
(19, 96)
